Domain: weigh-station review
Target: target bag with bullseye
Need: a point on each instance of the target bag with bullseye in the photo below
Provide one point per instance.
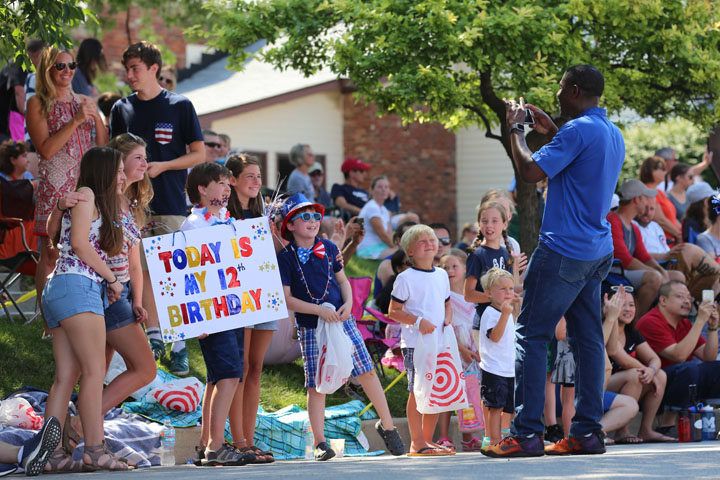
(439, 379)
(335, 356)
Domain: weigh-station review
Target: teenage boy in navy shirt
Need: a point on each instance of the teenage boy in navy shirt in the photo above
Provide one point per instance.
(315, 285)
(168, 124)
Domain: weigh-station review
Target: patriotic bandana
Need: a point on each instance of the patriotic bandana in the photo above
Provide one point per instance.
(304, 253)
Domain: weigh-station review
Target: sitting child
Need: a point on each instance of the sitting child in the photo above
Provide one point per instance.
(315, 287)
(421, 302)
(497, 349)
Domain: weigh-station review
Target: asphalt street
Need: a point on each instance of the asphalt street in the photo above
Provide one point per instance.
(681, 461)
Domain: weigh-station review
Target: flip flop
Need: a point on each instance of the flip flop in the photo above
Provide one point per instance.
(629, 440)
(664, 439)
(429, 452)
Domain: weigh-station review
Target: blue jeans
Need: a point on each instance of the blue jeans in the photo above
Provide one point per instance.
(556, 285)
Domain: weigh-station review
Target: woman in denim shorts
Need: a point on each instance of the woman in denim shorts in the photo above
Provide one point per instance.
(74, 300)
(246, 202)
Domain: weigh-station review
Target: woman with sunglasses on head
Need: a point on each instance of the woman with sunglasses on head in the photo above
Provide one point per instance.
(62, 126)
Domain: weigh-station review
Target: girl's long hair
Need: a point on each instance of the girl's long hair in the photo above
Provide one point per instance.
(45, 87)
(98, 172)
(237, 164)
(478, 240)
(139, 194)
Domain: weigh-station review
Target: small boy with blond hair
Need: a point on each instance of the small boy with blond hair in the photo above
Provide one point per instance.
(497, 349)
(421, 302)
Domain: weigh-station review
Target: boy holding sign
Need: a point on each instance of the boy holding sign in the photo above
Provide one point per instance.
(315, 286)
(208, 187)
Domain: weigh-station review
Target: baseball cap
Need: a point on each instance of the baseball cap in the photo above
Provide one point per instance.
(699, 191)
(634, 188)
(354, 164)
(316, 167)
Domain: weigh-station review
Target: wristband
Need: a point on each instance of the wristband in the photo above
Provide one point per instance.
(519, 127)
(114, 281)
(654, 369)
(417, 322)
(58, 207)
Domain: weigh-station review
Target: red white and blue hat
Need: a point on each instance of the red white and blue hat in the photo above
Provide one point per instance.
(292, 204)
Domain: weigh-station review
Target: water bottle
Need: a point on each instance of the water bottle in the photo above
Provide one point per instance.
(309, 440)
(708, 423)
(167, 444)
(684, 427)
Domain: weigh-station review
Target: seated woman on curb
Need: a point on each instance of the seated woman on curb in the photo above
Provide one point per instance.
(637, 373)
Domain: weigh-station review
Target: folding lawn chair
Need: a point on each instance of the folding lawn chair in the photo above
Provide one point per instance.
(17, 211)
(372, 331)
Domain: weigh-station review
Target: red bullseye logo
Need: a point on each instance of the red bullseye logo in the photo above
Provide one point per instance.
(448, 387)
(321, 361)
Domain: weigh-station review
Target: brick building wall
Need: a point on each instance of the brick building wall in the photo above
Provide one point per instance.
(418, 159)
(115, 39)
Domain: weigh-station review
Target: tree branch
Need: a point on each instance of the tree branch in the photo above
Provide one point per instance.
(488, 129)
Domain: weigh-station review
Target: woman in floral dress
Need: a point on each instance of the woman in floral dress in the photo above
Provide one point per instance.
(62, 127)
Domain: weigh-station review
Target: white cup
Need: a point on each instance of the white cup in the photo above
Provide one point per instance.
(338, 444)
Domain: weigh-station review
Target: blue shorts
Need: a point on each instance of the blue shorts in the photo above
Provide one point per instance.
(271, 325)
(608, 399)
(120, 312)
(497, 391)
(309, 348)
(69, 294)
(409, 362)
(223, 354)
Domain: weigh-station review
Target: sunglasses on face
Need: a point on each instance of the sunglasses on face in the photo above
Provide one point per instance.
(307, 216)
(212, 145)
(316, 174)
(61, 66)
(628, 288)
(445, 241)
(166, 80)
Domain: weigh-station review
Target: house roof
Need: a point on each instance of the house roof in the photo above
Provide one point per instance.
(216, 88)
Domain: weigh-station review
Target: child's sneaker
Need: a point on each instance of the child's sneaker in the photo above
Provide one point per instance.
(594, 444)
(323, 452)
(474, 445)
(225, 455)
(393, 442)
(7, 468)
(180, 362)
(516, 447)
(157, 347)
(485, 443)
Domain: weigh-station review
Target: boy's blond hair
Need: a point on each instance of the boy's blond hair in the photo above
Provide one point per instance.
(492, 276)
(413, 233)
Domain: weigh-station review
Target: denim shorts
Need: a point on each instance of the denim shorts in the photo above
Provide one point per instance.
(497, 391)
(223, 354)
(69, 294)
(120, 312)
(409, 362)
(271, 325)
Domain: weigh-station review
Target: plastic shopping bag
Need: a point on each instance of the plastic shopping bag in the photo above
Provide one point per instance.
(470, 419)
(439, 384)
(335, 361)
(17, 412)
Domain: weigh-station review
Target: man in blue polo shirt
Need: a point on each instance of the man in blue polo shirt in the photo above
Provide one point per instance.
(582, 162)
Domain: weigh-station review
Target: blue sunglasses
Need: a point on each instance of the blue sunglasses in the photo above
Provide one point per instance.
(307, 216)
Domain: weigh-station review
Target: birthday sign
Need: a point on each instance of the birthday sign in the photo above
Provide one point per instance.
(214, 279)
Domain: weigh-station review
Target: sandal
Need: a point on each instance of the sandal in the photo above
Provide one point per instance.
(474, 445)
(446, 443)
(97, 452)
(70, 437)
(261, 455)
(61, 462)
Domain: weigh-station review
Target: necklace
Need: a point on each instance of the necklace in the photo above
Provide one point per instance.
(304, 282)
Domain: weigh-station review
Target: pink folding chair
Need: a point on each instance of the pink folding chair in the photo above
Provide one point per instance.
(372, 331)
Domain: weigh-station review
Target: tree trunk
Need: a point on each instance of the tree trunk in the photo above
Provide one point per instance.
(527, 209)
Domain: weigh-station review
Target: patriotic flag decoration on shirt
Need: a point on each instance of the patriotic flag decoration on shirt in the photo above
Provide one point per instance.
(163, 133)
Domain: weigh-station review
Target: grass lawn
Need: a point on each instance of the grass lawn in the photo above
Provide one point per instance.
(25, 359)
